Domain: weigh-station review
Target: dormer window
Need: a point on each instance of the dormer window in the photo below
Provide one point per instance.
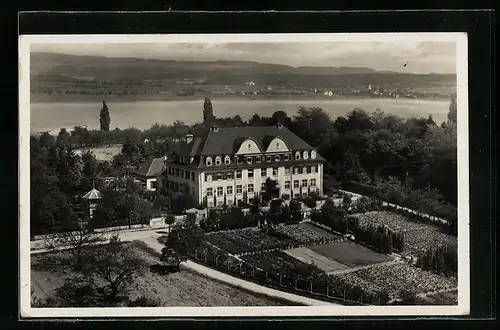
(227, 160)
(287, 157)
(218, 161)
(249, 160)
(208, 161)
(297, 155)
(313, 154)
(268, 159)
(237, 160)
(305, 155)
(257, 159)
(277, 158)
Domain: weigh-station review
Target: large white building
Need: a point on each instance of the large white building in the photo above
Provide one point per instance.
(231, 164)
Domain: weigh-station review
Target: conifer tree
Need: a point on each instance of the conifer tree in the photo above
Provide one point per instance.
(105, 119)
(208, 111)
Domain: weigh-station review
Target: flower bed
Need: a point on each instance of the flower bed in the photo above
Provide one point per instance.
(307, 233)
(248, 240)
(273, 261)
(394, 278)
(418, 237)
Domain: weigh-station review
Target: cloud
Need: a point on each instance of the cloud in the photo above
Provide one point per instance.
(421, 57)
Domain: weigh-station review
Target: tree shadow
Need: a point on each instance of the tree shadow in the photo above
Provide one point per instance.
(163, 232)
(51, 263)
(79, 293)
(163, 269)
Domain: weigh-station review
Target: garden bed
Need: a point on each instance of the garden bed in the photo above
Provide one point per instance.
(394, 278)
(350, 254)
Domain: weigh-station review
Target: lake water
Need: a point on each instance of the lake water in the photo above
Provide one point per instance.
(52, 116)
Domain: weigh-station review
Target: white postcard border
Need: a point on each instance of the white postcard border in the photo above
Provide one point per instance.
(463, 307)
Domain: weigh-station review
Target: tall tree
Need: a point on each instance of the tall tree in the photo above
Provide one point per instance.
(208, 111)
(105, 119)
(63, 138)
(46, 140)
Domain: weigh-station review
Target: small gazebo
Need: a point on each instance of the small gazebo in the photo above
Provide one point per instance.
(92, 197)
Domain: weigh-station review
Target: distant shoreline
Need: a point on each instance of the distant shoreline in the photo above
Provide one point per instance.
(163, 98)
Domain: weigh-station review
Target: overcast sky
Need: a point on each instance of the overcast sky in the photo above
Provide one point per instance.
(419, 57)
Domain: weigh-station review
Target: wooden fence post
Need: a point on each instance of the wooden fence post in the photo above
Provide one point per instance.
(196, 254)
(296, 284)
(327, 291)
(311, 287)
(240, 268)
(281, 280)
(344, 294)
(205, 257)
(266, 276)
(217, 261)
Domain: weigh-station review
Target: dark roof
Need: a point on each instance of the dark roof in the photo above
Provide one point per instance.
(227, 140)
(151, 168)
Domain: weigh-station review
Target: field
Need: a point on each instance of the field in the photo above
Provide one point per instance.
(179, 289)
(308, 233)
(417, 236)
(103, 153)
(274, 261)
(307, 255)
(349, 254)
(395, 277)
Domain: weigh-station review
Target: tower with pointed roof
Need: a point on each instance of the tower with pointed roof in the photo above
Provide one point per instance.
(92, 198)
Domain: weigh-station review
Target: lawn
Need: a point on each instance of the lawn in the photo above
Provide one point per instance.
(102, 153)
(349, 254)
(179, 289)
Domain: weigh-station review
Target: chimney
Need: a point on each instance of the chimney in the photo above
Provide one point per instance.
(189, 138)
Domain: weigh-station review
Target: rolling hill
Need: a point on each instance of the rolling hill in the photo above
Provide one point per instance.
(51, 67)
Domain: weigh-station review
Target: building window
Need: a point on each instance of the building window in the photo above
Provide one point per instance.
(210, 192)
(229, 190)
(305, 170)
(296, 170)
(219, 176)
(220, 191)
(208, 161)
(250, 188)
(229, 175)
(208, 177)
(218, 161)
(263, 172)
(227, 160)
(287, 185)
(295, 195)
(295, 184)
(304, 194)
(238, 189)
(275, 171)
(192, 176)
(170, 171)
(277, 145)
(176, 172)
(181, 174)
(268, 159)
(250, 173)
(313, 169)
(313, 154)
(305, 155)
(249, 160)
(263, 186)
(277, 158)
(257, 159)
(304, 183)
(249, 146)
(287, 170)
(297, 155)
(154, 184)
(188, 174)
(238, 174)
(287, 157)
(313, 182)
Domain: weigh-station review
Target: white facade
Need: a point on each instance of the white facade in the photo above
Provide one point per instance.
(234, 184)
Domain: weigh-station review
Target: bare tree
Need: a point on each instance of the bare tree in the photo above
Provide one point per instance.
(79, 241)
(116, 264)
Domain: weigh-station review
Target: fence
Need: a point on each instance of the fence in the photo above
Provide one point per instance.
(317, 288)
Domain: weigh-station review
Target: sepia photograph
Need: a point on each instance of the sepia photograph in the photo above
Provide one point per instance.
(244, 175)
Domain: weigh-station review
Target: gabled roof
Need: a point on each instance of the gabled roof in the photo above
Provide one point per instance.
(93, 194)
(225, 140)
(152, 167)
